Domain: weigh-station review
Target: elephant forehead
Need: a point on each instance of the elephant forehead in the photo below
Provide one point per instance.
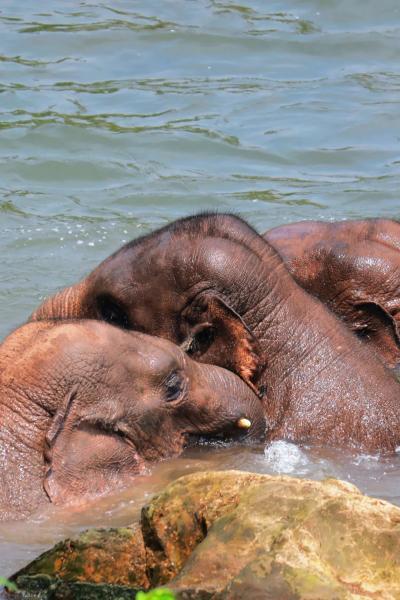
(205, 259)
(147, 355)
(182, 252)
(116, 345)
(64, 342)
(95, 345)
(134, 262)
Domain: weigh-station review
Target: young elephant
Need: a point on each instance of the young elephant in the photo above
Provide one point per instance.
(213, 285)
(354, 268)
(85, 406)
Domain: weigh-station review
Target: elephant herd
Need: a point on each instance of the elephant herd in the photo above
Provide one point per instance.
(203, 329)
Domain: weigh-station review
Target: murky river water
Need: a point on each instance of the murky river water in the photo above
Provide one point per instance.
(118, 117)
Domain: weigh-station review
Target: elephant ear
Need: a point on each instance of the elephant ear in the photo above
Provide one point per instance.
(82, 458)
(377, 327)
(216, 334)
(54, 485)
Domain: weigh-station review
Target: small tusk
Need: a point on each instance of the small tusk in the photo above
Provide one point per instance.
(244, 423)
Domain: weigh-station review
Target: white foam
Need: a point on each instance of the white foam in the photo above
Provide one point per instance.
(285, 457)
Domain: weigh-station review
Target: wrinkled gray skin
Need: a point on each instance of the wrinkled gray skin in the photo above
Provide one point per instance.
(213, 285)
(85, 406)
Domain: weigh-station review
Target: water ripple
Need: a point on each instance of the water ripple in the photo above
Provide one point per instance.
(147, 25)
(19, 60)
(118, 117)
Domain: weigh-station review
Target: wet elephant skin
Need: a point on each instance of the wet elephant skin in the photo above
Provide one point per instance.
(354, 268)
(213, 285)
(85, 407)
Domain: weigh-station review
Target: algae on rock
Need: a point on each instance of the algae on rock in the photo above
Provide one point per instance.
(241, 535)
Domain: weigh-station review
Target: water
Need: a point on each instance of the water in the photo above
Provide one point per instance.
(118, 117)
(21, 542)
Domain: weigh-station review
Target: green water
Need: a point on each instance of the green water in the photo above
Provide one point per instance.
(118, 117)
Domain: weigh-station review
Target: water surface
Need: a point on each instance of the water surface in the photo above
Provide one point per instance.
(118, 117)
(21, 542)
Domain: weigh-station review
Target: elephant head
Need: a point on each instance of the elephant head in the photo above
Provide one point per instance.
(85, 407)
(354, 268)
(146, 288)
(214, 286)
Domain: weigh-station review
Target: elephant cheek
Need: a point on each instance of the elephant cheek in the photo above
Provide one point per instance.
(167, 442)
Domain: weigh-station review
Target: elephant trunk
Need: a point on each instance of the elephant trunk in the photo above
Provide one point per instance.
(69, 303)
(227, 405)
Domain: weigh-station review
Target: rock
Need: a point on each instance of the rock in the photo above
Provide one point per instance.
(110, 556)
(238, 535)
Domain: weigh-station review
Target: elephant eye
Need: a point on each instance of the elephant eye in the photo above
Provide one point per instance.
(174, 386)
(201, 341)
(112, 313)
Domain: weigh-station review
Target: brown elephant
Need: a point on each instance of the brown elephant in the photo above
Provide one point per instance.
(84, 407)
(213, 285)
(354, 268)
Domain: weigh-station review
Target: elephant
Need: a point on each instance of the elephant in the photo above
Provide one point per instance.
(213, 285)
(85, 407)
(354, 268)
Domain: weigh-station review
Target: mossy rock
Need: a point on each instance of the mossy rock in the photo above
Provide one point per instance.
(43, 587)
(110, 556)
(239, 535)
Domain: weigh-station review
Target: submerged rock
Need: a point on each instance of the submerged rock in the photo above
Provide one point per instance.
(235, 535)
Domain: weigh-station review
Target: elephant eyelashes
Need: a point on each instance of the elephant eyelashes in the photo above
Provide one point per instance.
(174, 386)
(112, 313)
